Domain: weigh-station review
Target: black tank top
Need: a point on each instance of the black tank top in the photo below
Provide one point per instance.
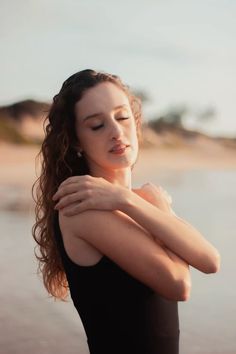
(120, 315)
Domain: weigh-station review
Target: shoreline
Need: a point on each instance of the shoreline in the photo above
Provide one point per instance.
(18, 167)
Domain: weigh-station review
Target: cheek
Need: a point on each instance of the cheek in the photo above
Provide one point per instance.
(90, 143)
(133, 132)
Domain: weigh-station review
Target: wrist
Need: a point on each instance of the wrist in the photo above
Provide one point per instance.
(126, 200)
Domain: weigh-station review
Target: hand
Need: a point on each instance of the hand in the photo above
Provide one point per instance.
(156, 195)
(79, 193)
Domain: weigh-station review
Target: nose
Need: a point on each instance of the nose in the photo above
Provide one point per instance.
(116, 131)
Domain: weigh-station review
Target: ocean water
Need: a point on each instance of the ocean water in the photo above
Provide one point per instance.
(32, 322)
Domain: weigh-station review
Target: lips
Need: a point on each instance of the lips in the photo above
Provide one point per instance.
(118, 147)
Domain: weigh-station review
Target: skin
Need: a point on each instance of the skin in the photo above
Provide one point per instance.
(115, 125)
(80, 199)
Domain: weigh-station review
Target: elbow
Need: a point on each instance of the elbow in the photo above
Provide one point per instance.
(184, 290)
(213, 265)
(180, 291)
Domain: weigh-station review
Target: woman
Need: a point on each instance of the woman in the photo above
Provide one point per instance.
(122, 252)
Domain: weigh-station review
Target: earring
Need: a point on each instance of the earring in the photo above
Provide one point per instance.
(79, 154)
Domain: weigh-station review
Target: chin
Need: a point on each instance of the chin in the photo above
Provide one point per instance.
(126, 160)
(113, 162)
(120, 165)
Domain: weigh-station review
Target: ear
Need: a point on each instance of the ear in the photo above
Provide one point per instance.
(77, 147)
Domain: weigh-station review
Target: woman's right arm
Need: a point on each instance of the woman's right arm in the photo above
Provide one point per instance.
(181, 238)
(131, 247)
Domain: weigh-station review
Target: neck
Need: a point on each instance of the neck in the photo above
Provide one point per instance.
(121, 177)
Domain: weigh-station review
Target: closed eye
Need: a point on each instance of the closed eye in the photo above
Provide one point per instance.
(101, 125)
(98, 127)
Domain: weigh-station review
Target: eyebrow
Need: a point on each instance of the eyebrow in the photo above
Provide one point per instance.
(99, 114)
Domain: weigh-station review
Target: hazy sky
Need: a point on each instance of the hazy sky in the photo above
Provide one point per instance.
(178, 51)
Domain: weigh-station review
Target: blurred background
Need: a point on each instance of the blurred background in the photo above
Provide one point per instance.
(179, 58)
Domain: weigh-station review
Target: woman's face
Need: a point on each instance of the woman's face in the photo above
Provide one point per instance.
(104, 119)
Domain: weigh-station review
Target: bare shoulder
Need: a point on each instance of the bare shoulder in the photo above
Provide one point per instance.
(123, 241)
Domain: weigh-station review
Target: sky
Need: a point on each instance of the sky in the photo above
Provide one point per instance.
(180, 52)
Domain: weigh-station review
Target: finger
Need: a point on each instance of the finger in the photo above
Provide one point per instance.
(75, 179)
(167, 196)
(76, 208)
(67, 189)
(60, 193)
(69, 199)
(69, 180)
(78, 180)
(172, 212)
(149, 187)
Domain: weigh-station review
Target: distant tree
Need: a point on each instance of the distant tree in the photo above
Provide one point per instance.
(206, 114)
(18, 110)
(172, 119)
(175, 117)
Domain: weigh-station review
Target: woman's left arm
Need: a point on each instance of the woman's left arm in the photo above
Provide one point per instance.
(177, 235)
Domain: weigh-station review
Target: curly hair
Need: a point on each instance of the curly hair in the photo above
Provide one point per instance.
(60, 161)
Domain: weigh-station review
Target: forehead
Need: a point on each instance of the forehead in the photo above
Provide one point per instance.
(103, 97)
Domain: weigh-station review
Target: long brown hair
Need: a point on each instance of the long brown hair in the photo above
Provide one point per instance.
(60, 161)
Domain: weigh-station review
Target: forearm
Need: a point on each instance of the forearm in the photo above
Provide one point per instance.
(181, 267)
(180, 237)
